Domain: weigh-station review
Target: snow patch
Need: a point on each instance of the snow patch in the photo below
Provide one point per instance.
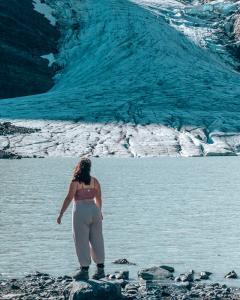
(45, 10)
(50, 57)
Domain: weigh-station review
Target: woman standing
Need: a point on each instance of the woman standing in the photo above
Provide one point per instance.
(85, 191)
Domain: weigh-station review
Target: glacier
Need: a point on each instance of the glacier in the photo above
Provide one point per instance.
(140, 78)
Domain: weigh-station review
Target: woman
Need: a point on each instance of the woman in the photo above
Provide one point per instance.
(87, 218)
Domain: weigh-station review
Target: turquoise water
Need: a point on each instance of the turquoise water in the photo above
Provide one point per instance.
(175, 211)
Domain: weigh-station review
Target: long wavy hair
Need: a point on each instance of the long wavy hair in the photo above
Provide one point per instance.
(82, 171)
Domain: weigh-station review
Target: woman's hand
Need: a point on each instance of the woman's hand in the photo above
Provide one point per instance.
(59, 219)
(67, 200)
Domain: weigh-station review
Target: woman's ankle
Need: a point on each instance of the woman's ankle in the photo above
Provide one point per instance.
(100, 266)
(85, 268)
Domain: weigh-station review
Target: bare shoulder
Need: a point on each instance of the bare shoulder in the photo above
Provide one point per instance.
(96, 181)
(74, 181)
(73, 184)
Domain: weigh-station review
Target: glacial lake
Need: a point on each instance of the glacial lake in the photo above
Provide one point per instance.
(182, 212)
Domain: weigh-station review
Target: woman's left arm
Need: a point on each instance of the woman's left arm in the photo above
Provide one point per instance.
(71, 192)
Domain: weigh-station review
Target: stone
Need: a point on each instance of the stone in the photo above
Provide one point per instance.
(123, 261)
(231, 275)
(122, 275)
(177, 279)
(168, 268)
(95, 290)
(188, 276)
(15, 286)
(185, 284)
(205, 275)
(155, 273)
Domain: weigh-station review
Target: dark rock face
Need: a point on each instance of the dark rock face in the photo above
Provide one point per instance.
(25, 35)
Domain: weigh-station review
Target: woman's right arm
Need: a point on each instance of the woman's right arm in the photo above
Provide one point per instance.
(67, 200)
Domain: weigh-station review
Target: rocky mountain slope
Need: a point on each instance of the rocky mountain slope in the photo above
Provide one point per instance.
(26, 35)
(140, 78)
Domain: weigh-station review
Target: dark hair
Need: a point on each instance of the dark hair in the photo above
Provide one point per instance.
(82, 171)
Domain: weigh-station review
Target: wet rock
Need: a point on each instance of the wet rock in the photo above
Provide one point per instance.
(177, 279)
(188, 276)
(131, 286)
(155, 273)
(232, 274)
(185, 284)
(123, 261)
(66, 277)
(95, 290)
(122, 275)
(122, 282)
(214, 285)
(15, 286)
(205, 275)
(168, 268)
(40, 274)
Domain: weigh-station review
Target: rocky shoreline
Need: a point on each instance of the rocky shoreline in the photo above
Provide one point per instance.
(8, 129)
(152, 283)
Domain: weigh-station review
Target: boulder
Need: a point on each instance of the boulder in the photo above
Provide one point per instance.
(170, 269)
(95, 290)
(232, 275)
(155, 273)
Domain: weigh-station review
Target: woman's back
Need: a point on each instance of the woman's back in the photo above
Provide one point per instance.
(86, 191)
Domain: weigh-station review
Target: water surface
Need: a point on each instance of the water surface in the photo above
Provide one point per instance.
(176, 211)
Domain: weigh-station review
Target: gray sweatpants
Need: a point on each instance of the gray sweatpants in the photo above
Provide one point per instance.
(87, 232)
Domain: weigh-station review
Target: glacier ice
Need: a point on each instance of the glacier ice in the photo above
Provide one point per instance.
(144, 66)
